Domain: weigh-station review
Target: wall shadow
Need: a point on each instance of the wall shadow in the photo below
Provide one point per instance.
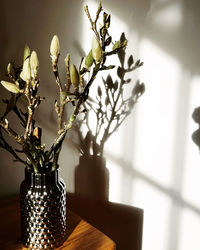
(196, 133)
(122, 223)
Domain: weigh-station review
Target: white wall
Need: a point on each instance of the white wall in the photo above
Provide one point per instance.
(156, 166)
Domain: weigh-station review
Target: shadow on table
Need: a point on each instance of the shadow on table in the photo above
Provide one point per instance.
(122, 223)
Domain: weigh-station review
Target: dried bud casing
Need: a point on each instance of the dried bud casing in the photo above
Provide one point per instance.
(55, 46)
(96, 50)
(67, 59)
(108, 21)
(83, 65)
(116, 45)
(34, 63)
(74, 76)
(27, 52)
(26, 71)
(11, 87)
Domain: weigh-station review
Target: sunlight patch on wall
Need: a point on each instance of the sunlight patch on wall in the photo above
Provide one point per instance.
(154, 132)
(169, 16)
(156, 207)
(115, 184)
(192, 158)
(189, 231)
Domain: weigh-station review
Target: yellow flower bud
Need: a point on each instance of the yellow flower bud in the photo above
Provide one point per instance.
(26, 71)
(11, 87)
(55, 46)
(34, 63)
(26, 52)
(74, 76)
(96, 50)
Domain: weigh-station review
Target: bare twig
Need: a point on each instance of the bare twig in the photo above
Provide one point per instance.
(5, 145)
(93, 23)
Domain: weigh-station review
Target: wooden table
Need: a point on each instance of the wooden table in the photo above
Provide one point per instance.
(80, 234)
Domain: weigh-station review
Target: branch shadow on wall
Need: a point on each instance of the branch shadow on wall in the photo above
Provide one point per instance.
(196, 133)
(122, 223)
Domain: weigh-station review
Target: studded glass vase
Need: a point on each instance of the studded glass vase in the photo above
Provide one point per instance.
(43, 210)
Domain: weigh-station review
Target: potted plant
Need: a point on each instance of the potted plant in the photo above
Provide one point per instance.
(42, 193)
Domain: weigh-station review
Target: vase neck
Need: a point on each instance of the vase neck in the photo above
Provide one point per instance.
(42, 179)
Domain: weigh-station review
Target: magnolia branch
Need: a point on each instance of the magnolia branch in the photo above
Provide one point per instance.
(93, 23)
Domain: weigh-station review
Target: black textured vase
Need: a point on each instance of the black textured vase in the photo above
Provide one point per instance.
(43, 210)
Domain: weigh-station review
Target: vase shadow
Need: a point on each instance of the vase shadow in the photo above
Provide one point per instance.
(92, 178)
(122, 223)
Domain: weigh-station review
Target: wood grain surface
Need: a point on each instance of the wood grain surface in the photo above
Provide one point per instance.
(80, 234)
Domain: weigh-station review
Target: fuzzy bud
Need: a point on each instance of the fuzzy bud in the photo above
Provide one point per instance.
(27, 52)
(96, 50)
(74, 76)
(89, 60)
(9, 67)
(11, 87)
(26, 71)
(34, 63)
(55, 46)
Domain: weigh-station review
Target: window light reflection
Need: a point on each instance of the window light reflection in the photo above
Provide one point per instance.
(169, 17)
(155, 127)
(192, 158)
(156, 207)
(189, 231)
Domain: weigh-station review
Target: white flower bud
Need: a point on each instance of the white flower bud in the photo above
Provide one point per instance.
(11, 87)
(26, 52)
(55, 47)
(96, 50)
(26, 71)
(9, 67)
(34, 63)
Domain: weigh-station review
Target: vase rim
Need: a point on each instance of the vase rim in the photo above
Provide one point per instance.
(29, 171)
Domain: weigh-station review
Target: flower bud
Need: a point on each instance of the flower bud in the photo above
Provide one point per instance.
(34, 63)
(26, 71)
(9, 67)
(55, 47)
(96, 50)
(74, 76)
(26, 52)
(89, 60)
(11, 87)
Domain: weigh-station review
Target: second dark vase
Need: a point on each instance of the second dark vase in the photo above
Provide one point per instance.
(43, 210)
